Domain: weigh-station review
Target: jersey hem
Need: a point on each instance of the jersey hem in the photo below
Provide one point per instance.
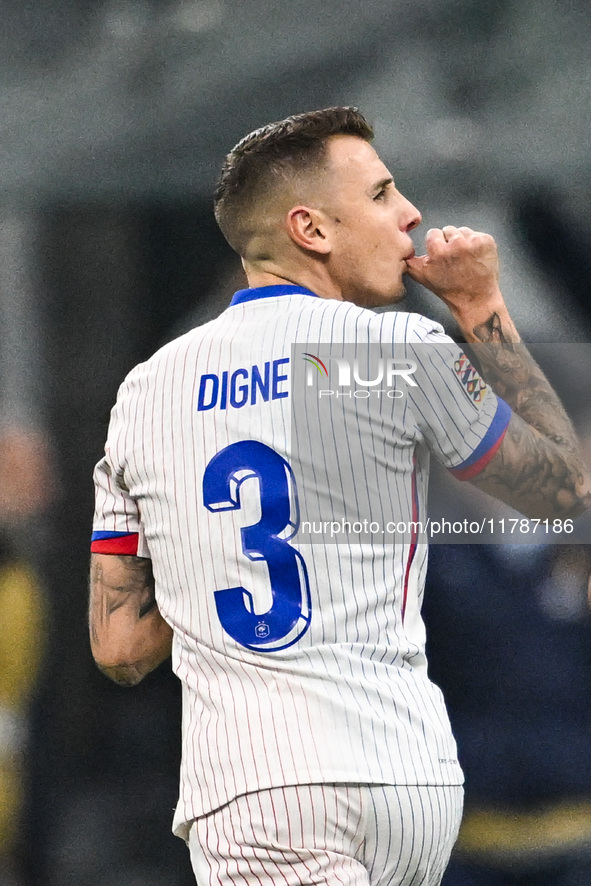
(185, 816)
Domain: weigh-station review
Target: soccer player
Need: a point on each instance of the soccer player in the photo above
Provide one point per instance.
(315, 747)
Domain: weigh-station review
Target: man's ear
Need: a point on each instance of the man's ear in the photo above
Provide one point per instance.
(308, 229)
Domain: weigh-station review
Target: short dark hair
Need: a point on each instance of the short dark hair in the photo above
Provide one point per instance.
(273, 154)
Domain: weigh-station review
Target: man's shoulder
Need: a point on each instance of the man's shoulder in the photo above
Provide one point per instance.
(178, 346)
(390, 325)
(404, 326)
(141, 377)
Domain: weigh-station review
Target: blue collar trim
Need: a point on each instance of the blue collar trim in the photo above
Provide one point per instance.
(269, 292)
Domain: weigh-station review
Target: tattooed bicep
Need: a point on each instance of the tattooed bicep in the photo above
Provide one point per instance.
(121, 568)
(530, 473)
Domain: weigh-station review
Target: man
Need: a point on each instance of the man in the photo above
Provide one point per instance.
(315, 749)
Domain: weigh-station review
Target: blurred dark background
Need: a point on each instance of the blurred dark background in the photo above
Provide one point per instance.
(115, 117)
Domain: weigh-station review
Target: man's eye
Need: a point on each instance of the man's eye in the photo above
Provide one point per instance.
(381, 194)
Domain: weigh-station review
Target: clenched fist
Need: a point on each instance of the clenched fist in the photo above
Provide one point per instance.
(460, 264)
(461, 267)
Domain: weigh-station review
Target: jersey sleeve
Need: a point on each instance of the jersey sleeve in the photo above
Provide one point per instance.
(458, 414)
(117, 527)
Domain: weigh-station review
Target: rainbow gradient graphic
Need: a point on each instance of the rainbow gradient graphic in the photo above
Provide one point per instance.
(317, 362)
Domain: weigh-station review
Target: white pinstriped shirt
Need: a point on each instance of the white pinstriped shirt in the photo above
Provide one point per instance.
(301, 662)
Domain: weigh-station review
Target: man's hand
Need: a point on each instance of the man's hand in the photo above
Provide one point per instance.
(461, 267)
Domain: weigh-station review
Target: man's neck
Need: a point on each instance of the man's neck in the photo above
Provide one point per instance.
(320, 286)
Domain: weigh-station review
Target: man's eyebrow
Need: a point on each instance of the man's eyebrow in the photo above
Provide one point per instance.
(382, 183)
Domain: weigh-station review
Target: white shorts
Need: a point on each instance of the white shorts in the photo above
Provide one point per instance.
(337, 835)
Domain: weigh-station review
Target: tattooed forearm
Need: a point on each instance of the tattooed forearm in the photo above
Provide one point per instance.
(516, 377)
(491, 330)
(128, 636)
(534, 475)
(539, 469)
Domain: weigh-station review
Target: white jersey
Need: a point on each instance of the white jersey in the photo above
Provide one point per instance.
(301, 662)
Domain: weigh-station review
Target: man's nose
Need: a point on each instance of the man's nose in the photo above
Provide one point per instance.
(412, 218)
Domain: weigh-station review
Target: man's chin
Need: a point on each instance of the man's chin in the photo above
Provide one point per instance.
(373, 299)
(388, 299)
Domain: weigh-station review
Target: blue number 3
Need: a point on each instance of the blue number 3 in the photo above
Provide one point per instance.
(289, 615)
